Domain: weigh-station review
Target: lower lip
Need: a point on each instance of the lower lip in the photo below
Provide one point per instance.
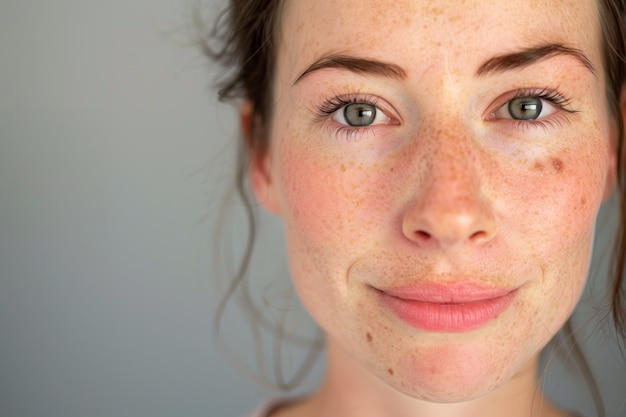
(452, 317)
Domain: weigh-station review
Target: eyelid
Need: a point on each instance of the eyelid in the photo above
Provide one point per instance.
(556, 100)
(330, 105)
(328, 109)
(381, 117)
(547, 107)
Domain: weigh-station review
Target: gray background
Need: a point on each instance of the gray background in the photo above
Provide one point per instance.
(114, 159)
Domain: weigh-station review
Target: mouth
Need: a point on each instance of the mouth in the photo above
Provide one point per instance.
(449, 308)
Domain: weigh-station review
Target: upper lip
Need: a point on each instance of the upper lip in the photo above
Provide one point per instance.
(447, 293)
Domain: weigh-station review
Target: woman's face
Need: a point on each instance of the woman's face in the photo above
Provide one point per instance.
(439, 167)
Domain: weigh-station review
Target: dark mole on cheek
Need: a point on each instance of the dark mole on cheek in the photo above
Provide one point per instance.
(369, 337)
(390, 371)
(557, 164)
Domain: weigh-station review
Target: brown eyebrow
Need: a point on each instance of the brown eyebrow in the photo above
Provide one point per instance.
(496, 64)
(529, 56)
(356, 65)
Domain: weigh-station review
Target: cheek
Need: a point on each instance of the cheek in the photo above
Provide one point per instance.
(550, 202)
(553, 208)
(333, 201)
(337, 210)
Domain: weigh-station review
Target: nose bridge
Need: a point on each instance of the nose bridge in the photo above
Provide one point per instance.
(453, 165)
(449, 204)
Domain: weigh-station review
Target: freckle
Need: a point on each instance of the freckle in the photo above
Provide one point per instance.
(583, 201)
(343, 168)
(557, 164)
(369, 337)
(538, 166)
(390, 371)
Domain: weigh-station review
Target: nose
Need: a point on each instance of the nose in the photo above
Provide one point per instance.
(450, 206)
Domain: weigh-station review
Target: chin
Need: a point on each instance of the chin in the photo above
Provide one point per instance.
(453, 373)
(446, 392)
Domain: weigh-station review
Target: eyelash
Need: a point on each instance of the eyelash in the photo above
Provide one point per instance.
(561, 102)
(332, 104)
(351, 133)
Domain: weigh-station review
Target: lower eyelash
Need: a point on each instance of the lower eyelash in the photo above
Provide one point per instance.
(543, 123)
(349, 133)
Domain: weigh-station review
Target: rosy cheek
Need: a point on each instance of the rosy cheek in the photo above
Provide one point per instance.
(334, 201)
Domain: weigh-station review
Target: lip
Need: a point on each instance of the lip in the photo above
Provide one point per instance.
(450, 308)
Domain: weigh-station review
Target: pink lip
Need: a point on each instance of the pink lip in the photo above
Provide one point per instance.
(447, 307)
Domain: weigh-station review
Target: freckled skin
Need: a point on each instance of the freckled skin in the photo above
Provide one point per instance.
(557, 164)
(443, 194)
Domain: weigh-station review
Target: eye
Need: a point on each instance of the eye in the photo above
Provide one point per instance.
(360, 114)
(525, 108)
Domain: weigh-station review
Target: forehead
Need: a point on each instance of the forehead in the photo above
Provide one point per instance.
(453, 33)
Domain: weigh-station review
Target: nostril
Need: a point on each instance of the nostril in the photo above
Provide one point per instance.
(478, 236)
(449, 239)
(431, 226)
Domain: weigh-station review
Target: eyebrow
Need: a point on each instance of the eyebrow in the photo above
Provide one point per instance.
(497, 64)
(529, 56)
(356, 65)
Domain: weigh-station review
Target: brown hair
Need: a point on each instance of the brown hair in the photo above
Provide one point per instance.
(247, 44)
(614, 55)
(244, 32)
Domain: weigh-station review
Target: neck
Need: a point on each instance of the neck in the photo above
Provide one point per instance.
(349, 390)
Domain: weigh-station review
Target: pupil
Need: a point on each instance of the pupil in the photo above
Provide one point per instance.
(360, 114)
(525, 108)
